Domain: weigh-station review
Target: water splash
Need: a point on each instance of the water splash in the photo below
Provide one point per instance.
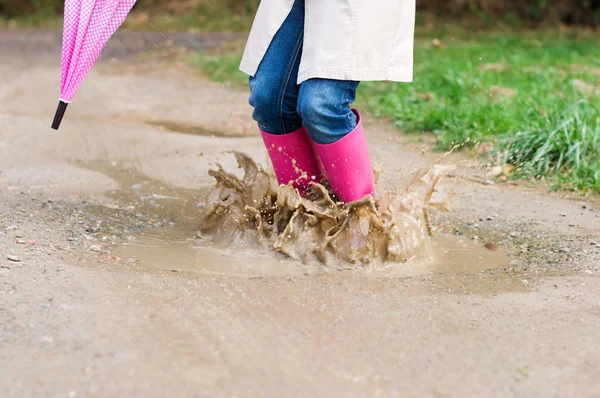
(395, 228)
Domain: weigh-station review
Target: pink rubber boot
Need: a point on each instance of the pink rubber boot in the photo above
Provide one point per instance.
(348, 166)
(294, 159)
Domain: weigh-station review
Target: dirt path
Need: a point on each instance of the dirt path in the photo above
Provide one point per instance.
(75, 321)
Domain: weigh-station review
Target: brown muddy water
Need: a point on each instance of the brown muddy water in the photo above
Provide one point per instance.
(250, 227)
(175, 249)
(187, 129)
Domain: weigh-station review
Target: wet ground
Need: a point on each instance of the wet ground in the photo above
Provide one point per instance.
(105, 292)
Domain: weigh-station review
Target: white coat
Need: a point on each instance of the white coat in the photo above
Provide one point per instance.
(343, 39)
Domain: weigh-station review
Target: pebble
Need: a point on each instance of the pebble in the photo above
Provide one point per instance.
(13, 258)
(489, 182)
(96, 248)
(491, 246)
(21, 242)
(514, 234)
(565, 250)
(563, 214)
(11, 228)
(47, 339)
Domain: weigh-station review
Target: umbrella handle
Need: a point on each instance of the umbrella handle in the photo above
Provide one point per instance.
(60, 112)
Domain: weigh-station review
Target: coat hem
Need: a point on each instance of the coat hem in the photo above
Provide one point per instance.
(404, 75)
(248, 67)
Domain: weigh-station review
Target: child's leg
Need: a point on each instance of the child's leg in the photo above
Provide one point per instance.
(324, 106)
(274, 96)
(274, 92)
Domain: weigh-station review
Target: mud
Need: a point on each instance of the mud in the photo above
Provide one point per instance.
(394, 229)
(187, 129)
(246, 220)
(174, 249)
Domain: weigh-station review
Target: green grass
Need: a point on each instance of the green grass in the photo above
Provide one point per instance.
(222, 68)
(534, 96)
(206, 18)
(35, 20)
(211, 16)
(564, 146)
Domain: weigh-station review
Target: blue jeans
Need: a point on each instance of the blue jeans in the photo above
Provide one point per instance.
(282, 106)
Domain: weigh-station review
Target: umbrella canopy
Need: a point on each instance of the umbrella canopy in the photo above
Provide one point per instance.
(87, 27)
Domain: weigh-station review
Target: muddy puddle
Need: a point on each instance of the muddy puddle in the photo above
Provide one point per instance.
(183, 128)
(250, 227)
(176, 249)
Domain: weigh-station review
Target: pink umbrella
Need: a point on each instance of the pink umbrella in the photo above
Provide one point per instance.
(88, 26)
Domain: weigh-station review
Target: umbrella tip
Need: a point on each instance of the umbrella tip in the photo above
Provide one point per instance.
(58, 116)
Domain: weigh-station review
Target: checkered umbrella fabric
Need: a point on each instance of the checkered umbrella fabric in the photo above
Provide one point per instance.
(88, 24)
